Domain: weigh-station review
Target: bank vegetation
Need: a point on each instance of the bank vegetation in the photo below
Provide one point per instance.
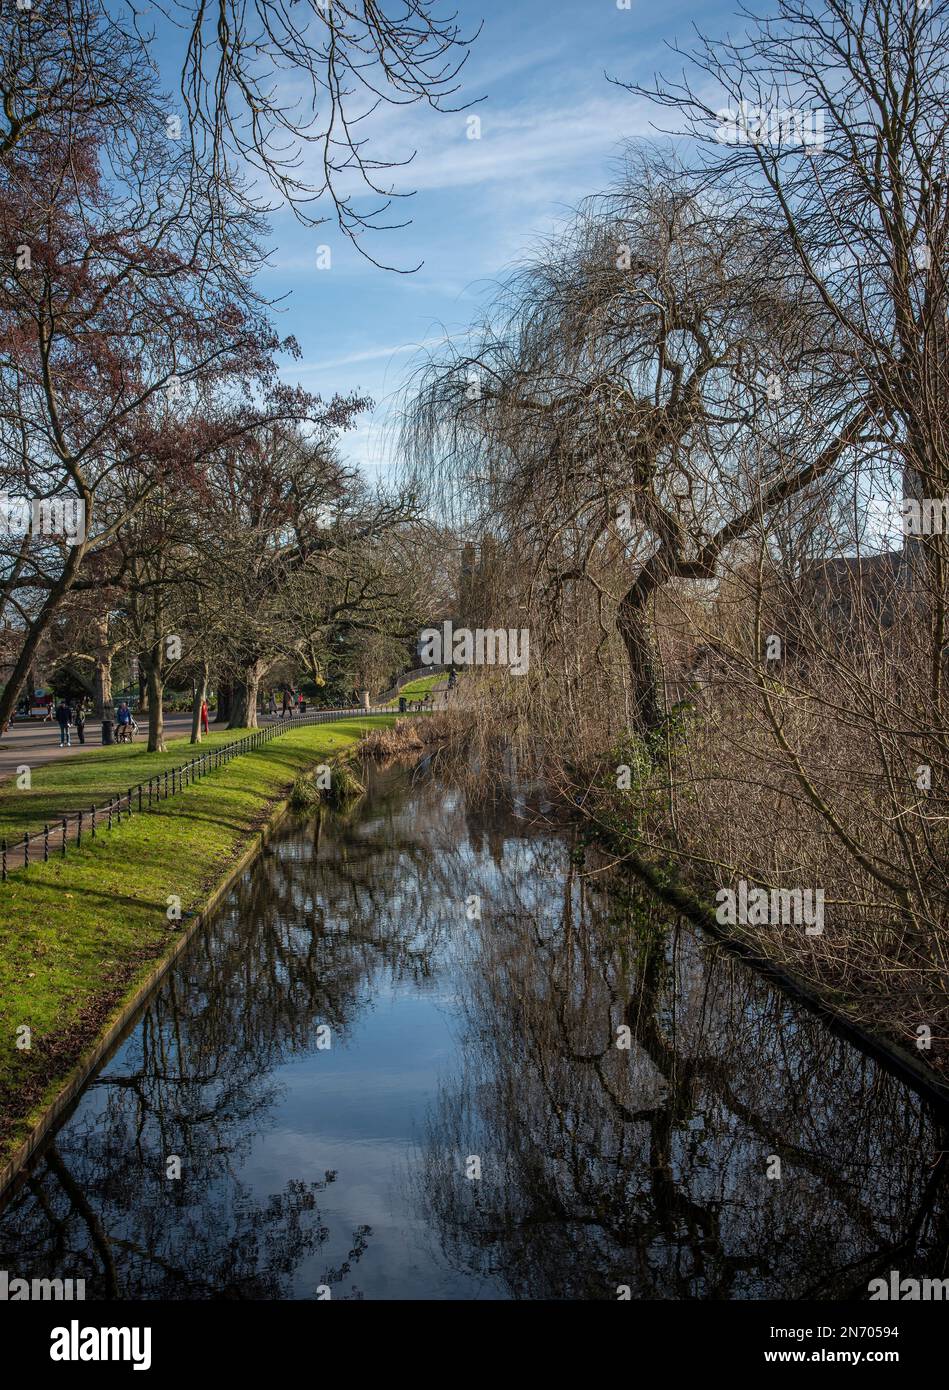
(698, 445)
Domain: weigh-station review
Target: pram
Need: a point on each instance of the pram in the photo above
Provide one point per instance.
(125, 733)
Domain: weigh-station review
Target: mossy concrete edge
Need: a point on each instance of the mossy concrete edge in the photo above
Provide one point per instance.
(125, 1013)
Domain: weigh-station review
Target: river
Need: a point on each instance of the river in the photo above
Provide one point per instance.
(430, 1049)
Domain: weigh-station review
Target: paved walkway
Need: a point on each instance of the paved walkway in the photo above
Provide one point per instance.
(65, 828)
(35, 743)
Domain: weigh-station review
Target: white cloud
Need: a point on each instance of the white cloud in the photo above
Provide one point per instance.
(515, 142)
(371, 354)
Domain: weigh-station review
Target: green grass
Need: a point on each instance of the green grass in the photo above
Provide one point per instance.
(78, 934)
(73, 784)
(416, 689)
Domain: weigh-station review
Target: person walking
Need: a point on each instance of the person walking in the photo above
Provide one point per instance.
(285, 705)
(64, 719)
(124, 720)
(272, 705)
(81, 721)
(204, 716)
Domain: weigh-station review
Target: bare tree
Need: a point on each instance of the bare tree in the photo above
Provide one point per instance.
(863, 206)
(342, 59)
(618, 412)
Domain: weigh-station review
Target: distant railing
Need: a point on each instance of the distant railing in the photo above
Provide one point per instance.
(55, 837)
(407, 678)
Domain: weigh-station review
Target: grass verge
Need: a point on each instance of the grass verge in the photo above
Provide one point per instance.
(67, 785)
(416, 689)
(80, 934)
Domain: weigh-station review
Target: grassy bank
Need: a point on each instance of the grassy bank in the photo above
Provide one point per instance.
(78, 935)
(66, 785)
(415, 690)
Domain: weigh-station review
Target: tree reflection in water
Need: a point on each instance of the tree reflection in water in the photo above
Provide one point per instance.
(600, 1166)
(647, 1167)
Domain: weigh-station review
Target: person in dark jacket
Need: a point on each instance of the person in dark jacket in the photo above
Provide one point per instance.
(81, 721)
(123, 720)
(64, 719)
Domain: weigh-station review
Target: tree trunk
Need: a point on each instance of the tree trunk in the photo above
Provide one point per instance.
(244, 702)
(631, 623)
(35, 633)
(200, 695)
(156, 724)
(224, 696)
(102, 681)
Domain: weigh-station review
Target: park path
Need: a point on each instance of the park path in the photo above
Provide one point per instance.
(72, 824)
(34, 743)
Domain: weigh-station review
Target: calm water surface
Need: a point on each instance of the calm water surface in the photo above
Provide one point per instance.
(341, 1048)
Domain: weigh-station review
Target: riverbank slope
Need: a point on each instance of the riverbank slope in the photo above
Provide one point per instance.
(80, 936)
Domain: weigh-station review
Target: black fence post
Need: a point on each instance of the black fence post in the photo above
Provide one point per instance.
(45, 843)
(93, 822)
(64, 837)
(79, 832)
(26, 851)
(139, 796)
(3, 853)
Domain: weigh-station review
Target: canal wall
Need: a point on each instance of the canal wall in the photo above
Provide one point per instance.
(123, 1018)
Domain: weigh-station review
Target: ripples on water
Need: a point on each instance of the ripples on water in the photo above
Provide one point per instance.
(343, 1168)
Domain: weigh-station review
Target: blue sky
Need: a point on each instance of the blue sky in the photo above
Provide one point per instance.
(552, 129)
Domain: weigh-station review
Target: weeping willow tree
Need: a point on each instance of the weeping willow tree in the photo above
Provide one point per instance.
(621, 418)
